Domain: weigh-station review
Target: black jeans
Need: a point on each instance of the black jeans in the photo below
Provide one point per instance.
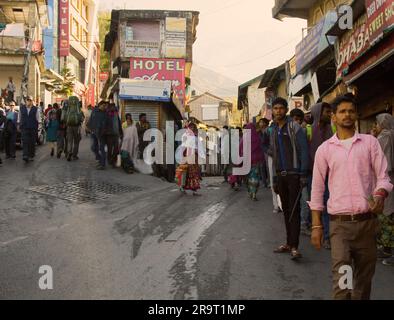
(29, 140)
(289, 191)
(113, 148)
(10, 141)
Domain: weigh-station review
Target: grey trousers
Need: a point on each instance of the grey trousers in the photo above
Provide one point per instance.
(73, 139)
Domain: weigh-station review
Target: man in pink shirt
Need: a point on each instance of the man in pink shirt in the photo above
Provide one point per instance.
(358, 184)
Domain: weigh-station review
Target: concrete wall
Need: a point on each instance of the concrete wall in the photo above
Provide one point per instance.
(196, 111)
(15, 72)
(256, 99)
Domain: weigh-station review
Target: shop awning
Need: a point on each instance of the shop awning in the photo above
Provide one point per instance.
(271, 76)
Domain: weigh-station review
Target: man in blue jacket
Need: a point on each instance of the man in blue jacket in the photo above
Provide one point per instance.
(289, 149)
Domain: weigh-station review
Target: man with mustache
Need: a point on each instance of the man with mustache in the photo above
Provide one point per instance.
(358, 184)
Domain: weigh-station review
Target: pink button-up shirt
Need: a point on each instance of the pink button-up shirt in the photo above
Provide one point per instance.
(353, 175)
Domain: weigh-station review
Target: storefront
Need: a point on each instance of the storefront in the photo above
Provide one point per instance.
(365, 61)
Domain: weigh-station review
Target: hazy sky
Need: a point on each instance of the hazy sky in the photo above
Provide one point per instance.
(237, 38)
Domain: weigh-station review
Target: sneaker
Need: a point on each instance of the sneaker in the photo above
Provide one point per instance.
(69, 158)
(52, 152)
(389, 261)
(31, 159)
(26, 159)
(295, 254)
(100, 168)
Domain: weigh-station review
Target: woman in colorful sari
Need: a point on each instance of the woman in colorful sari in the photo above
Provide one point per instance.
(385, 131)
(194, 149)
(256, 161)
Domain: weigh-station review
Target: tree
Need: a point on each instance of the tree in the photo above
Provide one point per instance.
(65, 87)
(104, 18)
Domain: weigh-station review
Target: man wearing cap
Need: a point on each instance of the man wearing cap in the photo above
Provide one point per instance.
(28, 120)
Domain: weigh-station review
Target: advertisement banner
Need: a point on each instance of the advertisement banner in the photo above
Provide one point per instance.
(315, 42)
(90, 98)
(160, 69)
(64, 28)
(175, 44)
(104, 76)
(352, 45)
(380, 18)
(145, 90)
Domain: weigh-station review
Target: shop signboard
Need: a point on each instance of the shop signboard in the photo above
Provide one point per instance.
(64, 28)
(145, 90)
(315, 42)
(380, 18)
(160, 69)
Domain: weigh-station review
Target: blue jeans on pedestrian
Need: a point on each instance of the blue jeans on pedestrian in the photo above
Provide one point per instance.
(103, 154)
(95, 146)
(306, 219)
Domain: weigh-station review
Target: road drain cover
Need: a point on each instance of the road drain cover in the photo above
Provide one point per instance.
(84, 190)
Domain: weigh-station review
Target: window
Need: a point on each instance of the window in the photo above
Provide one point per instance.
(75, 28)
(85, 38)
(210, 112)
(85, 11)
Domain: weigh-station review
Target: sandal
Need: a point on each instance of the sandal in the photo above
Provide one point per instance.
(283, 249)
(295, 254)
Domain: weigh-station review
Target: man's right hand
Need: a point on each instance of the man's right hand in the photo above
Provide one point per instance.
(317, 238)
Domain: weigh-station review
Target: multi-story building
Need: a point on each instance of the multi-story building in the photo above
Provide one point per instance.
(21, 52)
(333, 59)
(72, 41)
(151, 58)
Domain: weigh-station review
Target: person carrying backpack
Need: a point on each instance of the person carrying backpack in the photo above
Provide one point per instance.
(73, 118)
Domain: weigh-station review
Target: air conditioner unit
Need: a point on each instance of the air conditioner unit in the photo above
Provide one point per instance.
(307, 102)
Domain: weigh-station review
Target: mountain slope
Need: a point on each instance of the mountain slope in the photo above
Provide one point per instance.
(203, 80)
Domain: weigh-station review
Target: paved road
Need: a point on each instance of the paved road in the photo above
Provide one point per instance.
(150, 242)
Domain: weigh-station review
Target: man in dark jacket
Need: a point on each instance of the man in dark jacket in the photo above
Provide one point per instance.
(113, 132)
(289, 149)
(28, 121)
(97, 126)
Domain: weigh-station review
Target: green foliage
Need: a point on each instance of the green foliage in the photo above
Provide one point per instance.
(104, 18)
(65, 87)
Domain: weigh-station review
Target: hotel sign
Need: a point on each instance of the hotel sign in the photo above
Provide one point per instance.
(64, 28)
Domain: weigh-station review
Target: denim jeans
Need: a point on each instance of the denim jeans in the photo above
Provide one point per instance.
(103, 154)
(306, 219)
(95, 146)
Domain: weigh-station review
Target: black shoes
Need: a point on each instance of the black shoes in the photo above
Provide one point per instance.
(52, 152)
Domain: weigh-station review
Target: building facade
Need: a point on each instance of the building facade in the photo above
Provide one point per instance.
(211, 110)
(72, 41)
(356, 60)
(21, 51)
(151, 56)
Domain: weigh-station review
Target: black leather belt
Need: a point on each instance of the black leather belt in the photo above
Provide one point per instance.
(353, 217)
(287, 173)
